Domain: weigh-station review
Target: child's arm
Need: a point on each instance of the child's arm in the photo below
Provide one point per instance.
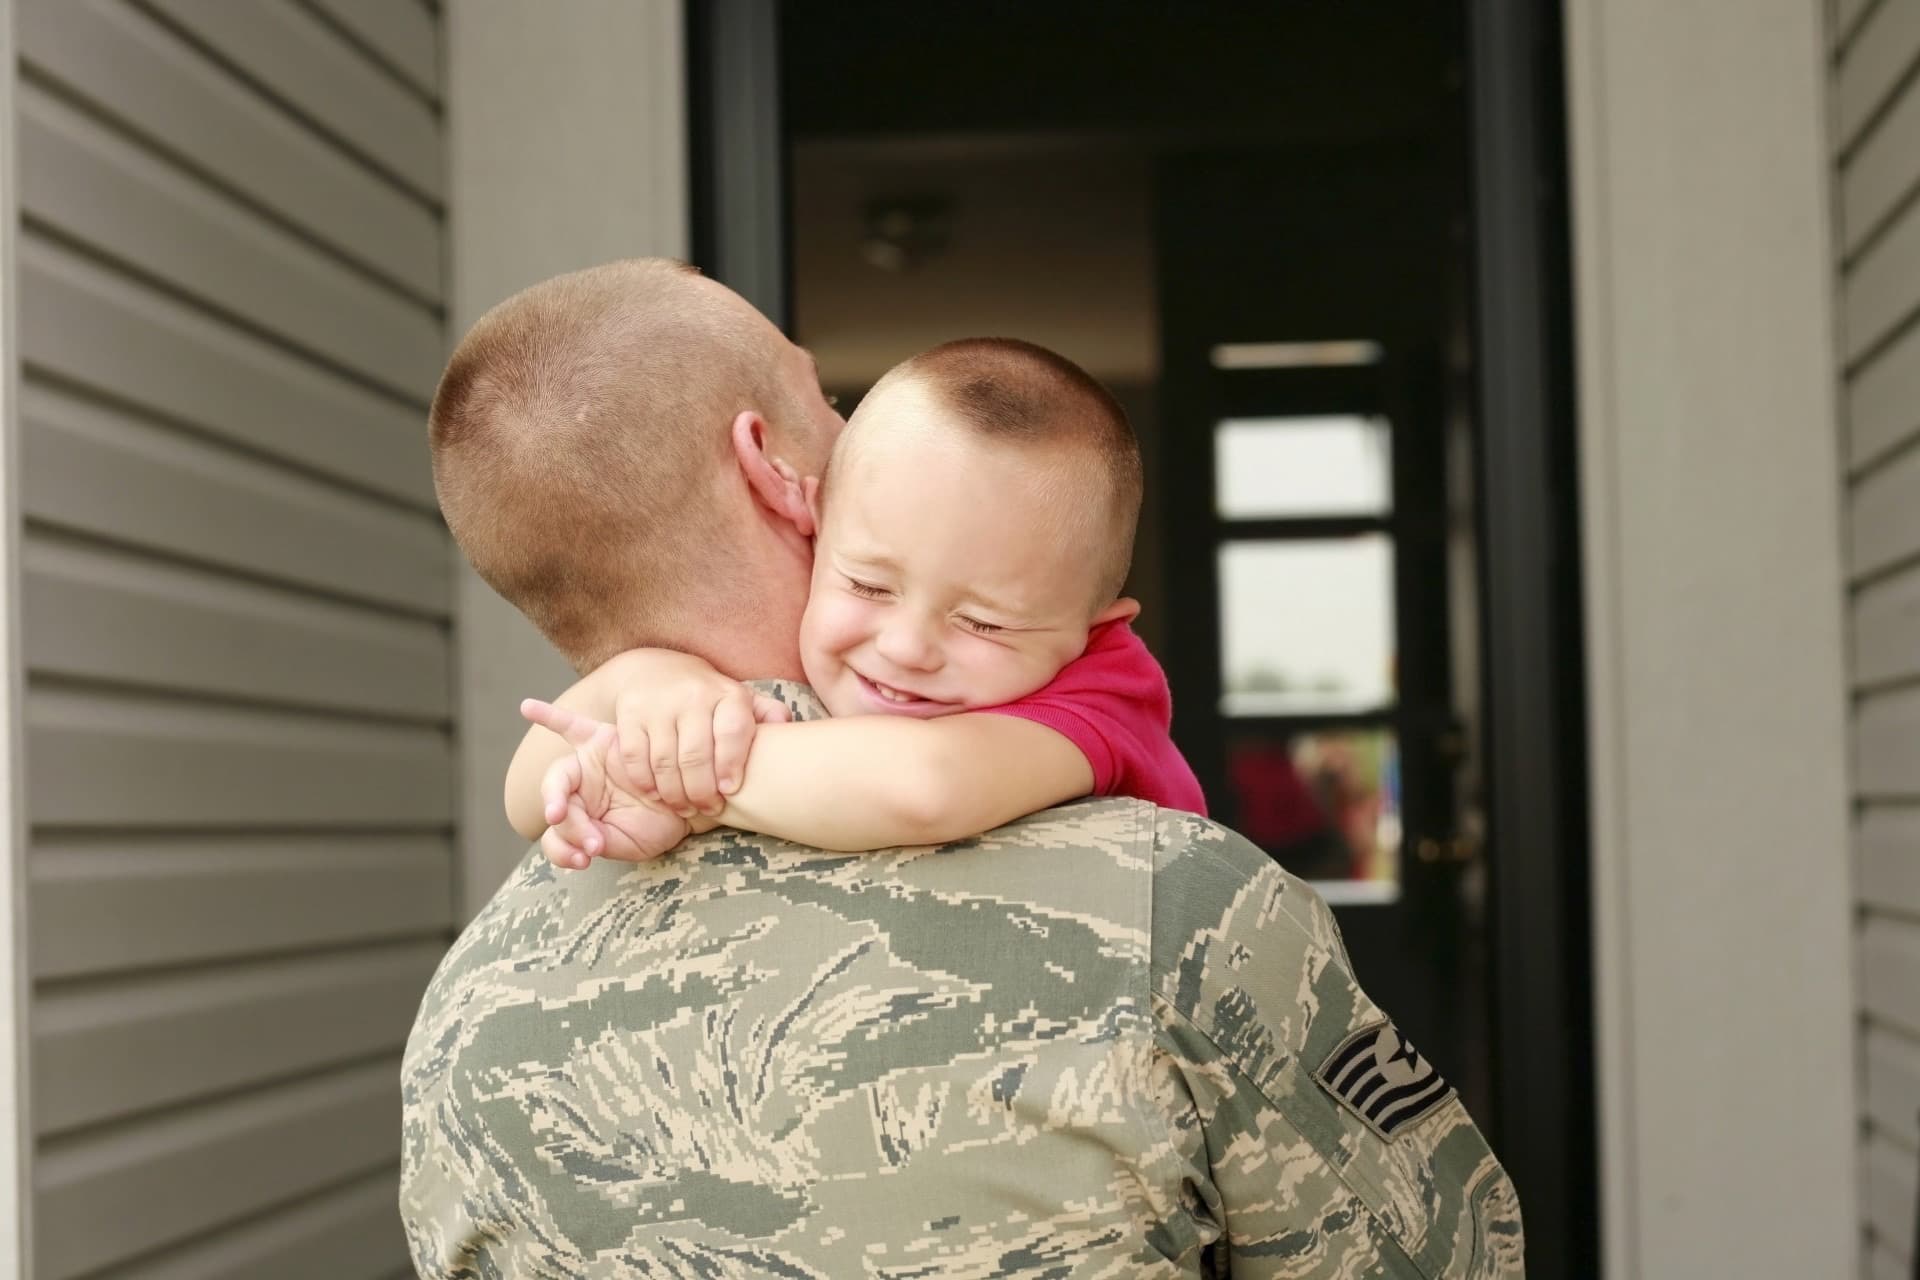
(865, 782)
(874, 782)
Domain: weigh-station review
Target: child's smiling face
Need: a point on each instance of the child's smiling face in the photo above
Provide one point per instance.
(950, 572)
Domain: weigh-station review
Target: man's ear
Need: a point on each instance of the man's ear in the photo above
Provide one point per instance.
(1125, 609)
(773, 481)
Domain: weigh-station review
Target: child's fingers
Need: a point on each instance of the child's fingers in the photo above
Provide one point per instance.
(571, 725)
(664, 747)
(636, 747)
(558, 785)
(695, 732)
(561, 853)
(580, 831)
(733, 726)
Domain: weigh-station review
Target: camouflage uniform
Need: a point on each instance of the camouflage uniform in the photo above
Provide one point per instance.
(1106, 1040)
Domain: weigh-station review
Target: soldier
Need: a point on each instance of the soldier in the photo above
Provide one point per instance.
(1104, 1040)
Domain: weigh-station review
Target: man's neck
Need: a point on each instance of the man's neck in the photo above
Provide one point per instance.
(744, 656)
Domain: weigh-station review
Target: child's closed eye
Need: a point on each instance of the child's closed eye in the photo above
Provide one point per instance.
(866, 590)
(980, 628)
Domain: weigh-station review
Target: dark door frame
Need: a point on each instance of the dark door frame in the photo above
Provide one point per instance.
(737, 151)
(1531, 621)
(1531, 626)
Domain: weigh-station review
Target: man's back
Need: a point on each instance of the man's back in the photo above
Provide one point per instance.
(1086, 1044)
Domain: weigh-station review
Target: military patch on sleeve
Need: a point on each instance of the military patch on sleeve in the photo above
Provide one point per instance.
(1379, 1076)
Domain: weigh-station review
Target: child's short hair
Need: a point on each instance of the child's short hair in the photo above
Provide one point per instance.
(577, 435)
(1006, 389)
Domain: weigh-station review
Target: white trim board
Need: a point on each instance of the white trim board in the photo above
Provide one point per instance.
(1717, 710)
(566, 138)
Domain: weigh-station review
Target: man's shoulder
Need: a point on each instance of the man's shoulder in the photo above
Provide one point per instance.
(1256, 1006)
(1213, 886)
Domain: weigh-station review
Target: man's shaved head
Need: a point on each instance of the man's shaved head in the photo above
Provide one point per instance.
(581, 443)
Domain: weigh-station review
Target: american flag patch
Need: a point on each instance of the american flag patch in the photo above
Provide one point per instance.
(1382, 1078)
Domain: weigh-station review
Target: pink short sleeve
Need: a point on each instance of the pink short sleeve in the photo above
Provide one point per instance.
(1112, 702)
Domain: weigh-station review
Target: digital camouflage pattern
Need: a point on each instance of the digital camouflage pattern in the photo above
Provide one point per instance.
(1082, 1045)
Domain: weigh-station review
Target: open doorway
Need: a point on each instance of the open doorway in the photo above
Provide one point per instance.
(1258, 226)
(1261, 249)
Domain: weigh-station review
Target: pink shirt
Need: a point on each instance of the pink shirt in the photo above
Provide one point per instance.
(1112, 702)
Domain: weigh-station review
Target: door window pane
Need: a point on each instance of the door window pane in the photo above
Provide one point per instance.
(1302, 467)
(1325, 804)
(1293, 355)
(1306, 626)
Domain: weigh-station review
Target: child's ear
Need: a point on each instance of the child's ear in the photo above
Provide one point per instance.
(1125, 609)
(773, 481)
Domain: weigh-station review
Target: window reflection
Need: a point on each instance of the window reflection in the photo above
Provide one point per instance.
(1302, 467)
(1306, 626)
(1325, 804)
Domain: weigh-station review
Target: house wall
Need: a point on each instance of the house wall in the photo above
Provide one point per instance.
(1875, 140)
(15, 992)
(234, 595)
(1712, 564)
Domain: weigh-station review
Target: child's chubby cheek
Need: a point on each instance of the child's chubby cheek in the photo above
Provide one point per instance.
(824, 635)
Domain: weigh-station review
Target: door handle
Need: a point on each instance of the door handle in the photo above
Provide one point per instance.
(1453, 850)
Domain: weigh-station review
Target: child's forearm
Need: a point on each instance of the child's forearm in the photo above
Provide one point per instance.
(594, 694)
(876, 782)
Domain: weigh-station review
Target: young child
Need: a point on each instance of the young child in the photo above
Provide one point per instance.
(964, 629)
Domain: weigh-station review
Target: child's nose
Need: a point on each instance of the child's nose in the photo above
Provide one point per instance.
(909, 643)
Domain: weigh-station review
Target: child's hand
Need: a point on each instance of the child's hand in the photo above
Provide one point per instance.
(591, 805)
(684, 737)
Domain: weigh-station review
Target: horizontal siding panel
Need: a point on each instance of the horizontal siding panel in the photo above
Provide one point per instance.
(1884, 1264)
(1883, 401)
(1883, 519)
(90, 614)
(349, 1233)
(109, 1051)
(121, 1193)
(404, 36)
(1893, 1084)
(129, 67)
(1882, 172)
(111, 195)
(108, 904)
(1845, 14)
(1888, 843)
(325, 80)
(92, 470)
(1889, 43)
(1886, 629)
(1886, 745)
(95, 760)
(1893, 1178)
(98, 329)
(1882, 287)
(1890, 972)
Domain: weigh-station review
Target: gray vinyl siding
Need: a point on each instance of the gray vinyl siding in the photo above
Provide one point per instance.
(1875, 122)
(235, 595)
